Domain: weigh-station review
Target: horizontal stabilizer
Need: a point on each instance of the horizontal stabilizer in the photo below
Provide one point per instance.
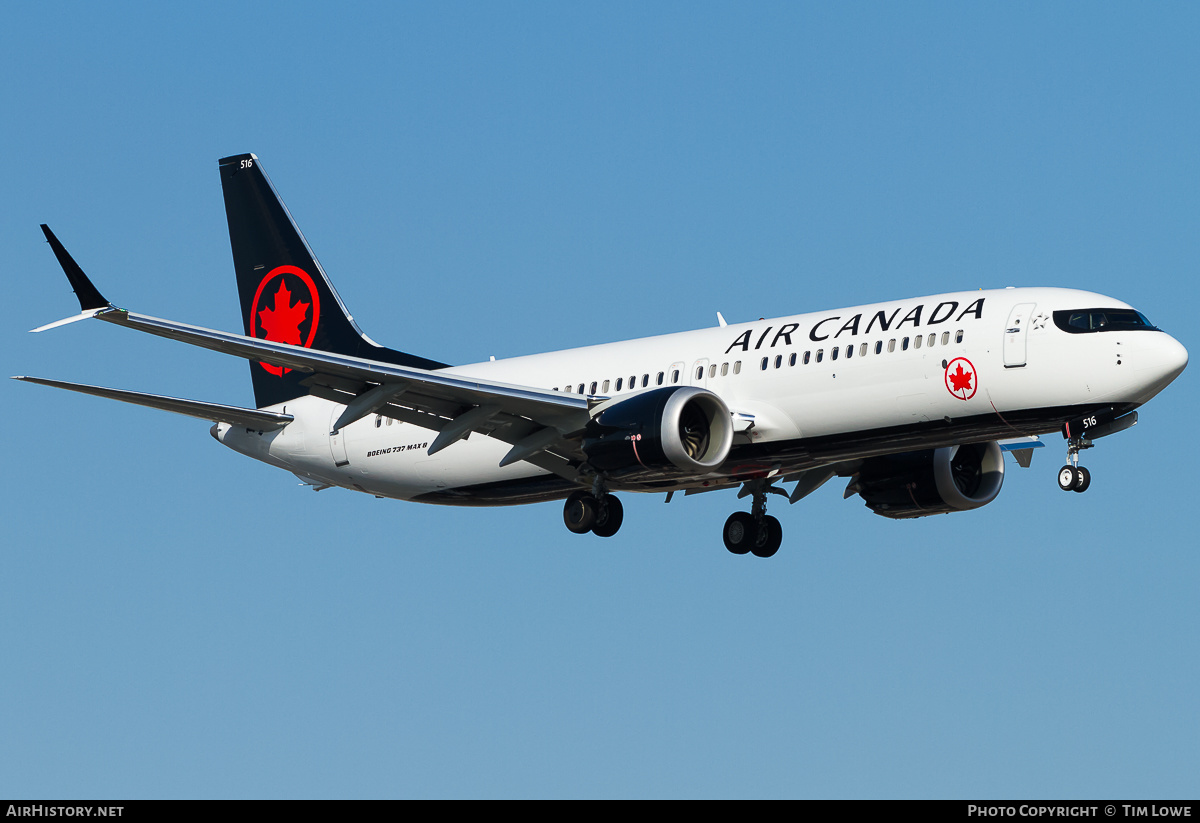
(216, 412)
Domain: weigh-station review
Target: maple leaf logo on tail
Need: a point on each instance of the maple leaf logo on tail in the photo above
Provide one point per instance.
(961, 378)
(277, 318)
(282, 323)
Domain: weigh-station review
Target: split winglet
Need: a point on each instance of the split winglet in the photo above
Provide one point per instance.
(90, 298)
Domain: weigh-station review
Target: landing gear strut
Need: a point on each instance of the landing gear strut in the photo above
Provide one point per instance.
(754, 531)
(1072, 476)
(586, 512)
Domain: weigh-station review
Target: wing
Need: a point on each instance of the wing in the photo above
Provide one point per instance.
(542, 426)
(219, 413)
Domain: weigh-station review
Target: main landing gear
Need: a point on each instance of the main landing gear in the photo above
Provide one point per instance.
(755, 531)
(599, 514)
(1074, 477)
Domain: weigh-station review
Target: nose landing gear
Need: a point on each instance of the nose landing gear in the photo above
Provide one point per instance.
(1080, 433)
(1073, 477)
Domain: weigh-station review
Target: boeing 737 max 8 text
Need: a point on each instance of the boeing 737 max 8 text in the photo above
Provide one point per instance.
(914, 401)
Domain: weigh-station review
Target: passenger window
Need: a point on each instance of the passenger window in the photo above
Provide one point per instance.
(645, 380)
(389, 421)
(820, 355)
(619, 379)
(862, 350)
(904, 344)
(807, 357)
(379, 419)
(792, 359)
(958, 336)
(659, 381)
(892, 345)
(878, 346)
(724, 369)
(581, 388)
(778, 360)
(699, 372)
(593, 390)
(833, 353)
(917, 341)
(945, 338)
(675, 376)
(764, 364)
(932, 339)
(605, 387)
(849, 351)
(737, 366)
(712, 370)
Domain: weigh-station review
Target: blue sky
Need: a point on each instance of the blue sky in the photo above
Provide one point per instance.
(499, 179)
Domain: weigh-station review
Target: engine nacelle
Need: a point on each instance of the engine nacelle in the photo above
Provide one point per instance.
(937, 481)
(675, 430)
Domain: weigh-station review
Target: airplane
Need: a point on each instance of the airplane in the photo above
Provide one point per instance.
(913, 401)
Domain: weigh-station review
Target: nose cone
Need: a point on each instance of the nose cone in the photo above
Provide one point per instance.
(1165, 359)
(1173, 358)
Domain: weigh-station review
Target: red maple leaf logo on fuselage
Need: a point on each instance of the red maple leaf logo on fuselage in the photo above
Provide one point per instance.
(961, 380)
(960, 374)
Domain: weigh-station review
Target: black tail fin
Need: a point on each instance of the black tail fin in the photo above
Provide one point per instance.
(285, 294)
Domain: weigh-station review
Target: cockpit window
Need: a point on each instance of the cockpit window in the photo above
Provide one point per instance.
(1085, 321)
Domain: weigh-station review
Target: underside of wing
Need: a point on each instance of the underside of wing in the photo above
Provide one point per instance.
(216, 412)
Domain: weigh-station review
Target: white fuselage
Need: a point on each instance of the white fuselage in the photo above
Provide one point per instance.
(873, 379)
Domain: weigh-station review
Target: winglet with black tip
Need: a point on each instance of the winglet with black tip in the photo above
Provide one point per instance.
(91, 301)
(89, 296)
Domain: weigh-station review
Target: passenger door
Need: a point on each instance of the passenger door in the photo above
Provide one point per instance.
(1014, 335)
